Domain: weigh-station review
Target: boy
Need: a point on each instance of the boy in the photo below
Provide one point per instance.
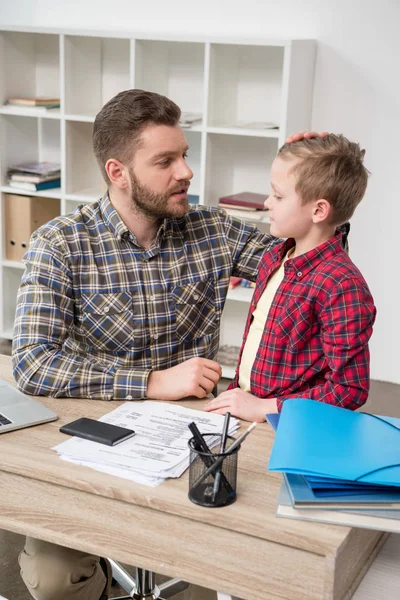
(312, 313)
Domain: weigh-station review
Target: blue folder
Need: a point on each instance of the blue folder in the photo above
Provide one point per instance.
(316, 439)
(302, 496)
(326, 487)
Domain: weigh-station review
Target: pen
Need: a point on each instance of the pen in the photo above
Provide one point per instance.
(219, 460)
(217, 480)
(201, 446)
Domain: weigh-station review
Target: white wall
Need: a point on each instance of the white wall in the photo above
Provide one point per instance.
(356, 92)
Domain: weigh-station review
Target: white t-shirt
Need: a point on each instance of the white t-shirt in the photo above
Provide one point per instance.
(257, 326)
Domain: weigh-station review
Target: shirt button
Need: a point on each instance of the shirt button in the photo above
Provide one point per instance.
(152, 298)
(107, 309)
(196, 297)
(155, 336)
(299, 273)
(129, 397)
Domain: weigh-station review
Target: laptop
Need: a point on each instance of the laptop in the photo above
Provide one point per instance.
(18, 411)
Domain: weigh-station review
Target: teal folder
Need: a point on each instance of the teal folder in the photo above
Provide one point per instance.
(316, 439)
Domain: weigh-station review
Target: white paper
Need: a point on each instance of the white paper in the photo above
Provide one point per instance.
(157, 451)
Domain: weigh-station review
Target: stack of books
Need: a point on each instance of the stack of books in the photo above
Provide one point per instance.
(42, 102)
(188, 119)
(34, 176)
(338, 466)
(245, 205)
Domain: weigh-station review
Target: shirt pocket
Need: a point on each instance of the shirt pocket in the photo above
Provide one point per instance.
(296, 324)
(195, 314)
(106, 321)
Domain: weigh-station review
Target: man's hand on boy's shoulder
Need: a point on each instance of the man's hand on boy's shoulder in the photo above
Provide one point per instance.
(242, 405)
(300, 135)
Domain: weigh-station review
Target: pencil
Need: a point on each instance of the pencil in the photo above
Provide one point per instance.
(219, 460)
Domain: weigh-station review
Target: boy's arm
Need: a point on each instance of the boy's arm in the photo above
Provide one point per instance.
(45, 313)
(346, 323)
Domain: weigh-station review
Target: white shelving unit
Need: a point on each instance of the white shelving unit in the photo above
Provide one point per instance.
(233, 83)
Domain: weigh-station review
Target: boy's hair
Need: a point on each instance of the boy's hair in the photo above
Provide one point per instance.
(332, 168)
(119, 124)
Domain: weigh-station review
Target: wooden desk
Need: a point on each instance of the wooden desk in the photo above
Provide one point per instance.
(242, 549)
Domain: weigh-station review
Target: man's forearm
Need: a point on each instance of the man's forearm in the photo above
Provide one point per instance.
(43, 370)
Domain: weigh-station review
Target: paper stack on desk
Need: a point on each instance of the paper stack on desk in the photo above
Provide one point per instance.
(157, 451)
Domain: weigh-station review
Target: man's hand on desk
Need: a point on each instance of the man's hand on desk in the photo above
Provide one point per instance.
(194, 377)
(242, 405)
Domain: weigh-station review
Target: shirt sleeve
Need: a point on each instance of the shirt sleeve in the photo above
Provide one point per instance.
(346, 323)
(247, 245)
(44, 315)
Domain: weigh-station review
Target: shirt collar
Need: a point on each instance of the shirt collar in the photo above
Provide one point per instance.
(118, 227)
(304, 263)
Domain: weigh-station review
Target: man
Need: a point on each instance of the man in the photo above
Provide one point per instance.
(122, 299)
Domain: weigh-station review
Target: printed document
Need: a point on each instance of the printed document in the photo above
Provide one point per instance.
(157, 451)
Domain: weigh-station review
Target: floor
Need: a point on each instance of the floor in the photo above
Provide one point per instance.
(384, 399)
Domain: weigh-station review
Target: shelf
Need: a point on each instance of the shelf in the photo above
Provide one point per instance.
(7, 334)
(240, 294)
(51, 193)
(83, 176)
(10, 284)
(237, 163)
(24, 111)
(26, 139)
(264, 133)
(81, 118)
(31, 65)
(173, 69)
(13, 264)
(246, 84)
(96, 69)
(92, 194)
(235, 84)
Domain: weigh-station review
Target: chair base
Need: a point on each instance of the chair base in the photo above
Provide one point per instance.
(144, 587)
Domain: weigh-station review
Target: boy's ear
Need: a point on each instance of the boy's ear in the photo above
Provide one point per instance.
(321, 211)
(117, 173)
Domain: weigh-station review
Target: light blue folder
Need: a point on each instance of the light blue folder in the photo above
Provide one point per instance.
(327, 441)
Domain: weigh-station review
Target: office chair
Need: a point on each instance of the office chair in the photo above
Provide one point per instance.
(143, 586)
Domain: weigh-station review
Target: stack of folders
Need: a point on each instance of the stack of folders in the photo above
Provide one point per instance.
(158, 450)
(338, 466)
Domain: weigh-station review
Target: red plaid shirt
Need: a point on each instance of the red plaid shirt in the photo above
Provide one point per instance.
(315, 341)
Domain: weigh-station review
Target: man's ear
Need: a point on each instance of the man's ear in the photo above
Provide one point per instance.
(321, 211)
(117, 173)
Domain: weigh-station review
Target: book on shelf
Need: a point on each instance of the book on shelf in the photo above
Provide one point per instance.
(383, 520)
(35, 187)
(190, 118)
(234, 282)
(31, 178)
(257, 125)
(35, 101)
(246, 200)
(43, 168)
(247, 215)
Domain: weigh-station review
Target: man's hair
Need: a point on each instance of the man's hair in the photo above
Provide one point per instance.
(119, 124)
(332, 168)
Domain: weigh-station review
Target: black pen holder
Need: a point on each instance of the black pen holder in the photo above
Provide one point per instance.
(216, 489)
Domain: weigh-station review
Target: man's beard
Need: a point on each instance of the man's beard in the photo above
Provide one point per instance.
(155, 206)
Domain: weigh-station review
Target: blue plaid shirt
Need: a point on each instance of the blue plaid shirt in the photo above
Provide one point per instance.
(96, 312)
